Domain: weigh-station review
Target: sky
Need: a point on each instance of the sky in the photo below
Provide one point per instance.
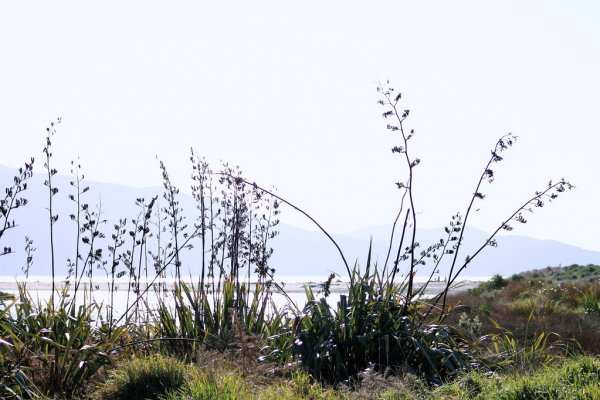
(287, 90)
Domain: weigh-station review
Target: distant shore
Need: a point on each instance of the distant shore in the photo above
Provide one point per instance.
(291, 286)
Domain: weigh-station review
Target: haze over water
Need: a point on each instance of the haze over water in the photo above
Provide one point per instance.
(39, 287)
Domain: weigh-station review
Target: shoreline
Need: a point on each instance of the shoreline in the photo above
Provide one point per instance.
(340, 287)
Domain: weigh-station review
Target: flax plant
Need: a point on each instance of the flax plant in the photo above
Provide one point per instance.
(115, 261)
(52, 191)
(91, 234)
(176, 223)
(13, 199)
(55, 350)
(367, 330)
(390, 100)
(383, 323)
(133, 261)
(233, 229)
(76, 183)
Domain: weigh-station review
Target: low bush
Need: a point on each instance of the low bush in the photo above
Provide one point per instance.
(212, 385)
(574, 379)
(497, 282)
(566, 309)
(591, 301)
(51, 348)
(369, 330)
(143, 378)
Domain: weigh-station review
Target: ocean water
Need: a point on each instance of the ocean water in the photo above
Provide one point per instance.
(39, 287)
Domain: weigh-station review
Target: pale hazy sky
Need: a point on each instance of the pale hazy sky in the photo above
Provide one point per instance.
(287, 91)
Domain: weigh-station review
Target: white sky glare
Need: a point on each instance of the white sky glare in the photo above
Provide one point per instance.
(287, 91)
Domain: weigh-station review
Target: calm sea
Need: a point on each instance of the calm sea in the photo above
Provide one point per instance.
(39, 288)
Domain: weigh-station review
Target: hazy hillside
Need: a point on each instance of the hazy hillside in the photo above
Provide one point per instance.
(513, 253)
(297, 251)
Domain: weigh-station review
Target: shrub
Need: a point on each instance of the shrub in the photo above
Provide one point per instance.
(143, 378)
(381, 323)
(591, 302)
(482, 309)
(517, 277)
(212, 385)
(56, 347)
(497, 282)
(368, 329)
(471, 325)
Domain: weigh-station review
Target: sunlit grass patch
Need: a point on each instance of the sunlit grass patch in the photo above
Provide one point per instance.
(528, 306)
(143, 378)
(574, 379)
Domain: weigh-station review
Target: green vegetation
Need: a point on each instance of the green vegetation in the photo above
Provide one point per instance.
(168, 378)
(536, 302)
(574, 379)
(157, 378)
(497, 282)
(220, 336)
(369, 327)
(573, 273)
(145, 378)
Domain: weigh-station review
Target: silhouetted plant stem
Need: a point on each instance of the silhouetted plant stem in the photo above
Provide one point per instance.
(129, 257)
(216, 262)
(50, 172)
(249, 258)
(160, 257)
(391, 243)
(173, 211)
(301, 211)
(79, 191)
(29, 250)
(398, 254)
(551, 192)
(12, 201)
(392, 103)
(90, 233)
(159, 272)
(412, 272)
(502, 144)
(200, 168)
(118, 241)
(145, 231)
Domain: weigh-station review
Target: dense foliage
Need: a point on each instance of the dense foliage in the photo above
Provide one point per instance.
(384, 325)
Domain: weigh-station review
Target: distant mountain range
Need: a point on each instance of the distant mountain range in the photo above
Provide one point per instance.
(297, 251)
(513, 253)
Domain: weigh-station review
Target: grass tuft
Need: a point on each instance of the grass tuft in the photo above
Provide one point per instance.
(143, 378)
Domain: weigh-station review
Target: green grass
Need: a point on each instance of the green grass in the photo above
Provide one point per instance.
(574, 273)
(167, 378)
(516, 328)
(143, 378)
(59, 352)
(532, 303)
(574, 379)
(164, 378)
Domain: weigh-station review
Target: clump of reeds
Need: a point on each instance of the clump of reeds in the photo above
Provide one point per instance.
(57, 346)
